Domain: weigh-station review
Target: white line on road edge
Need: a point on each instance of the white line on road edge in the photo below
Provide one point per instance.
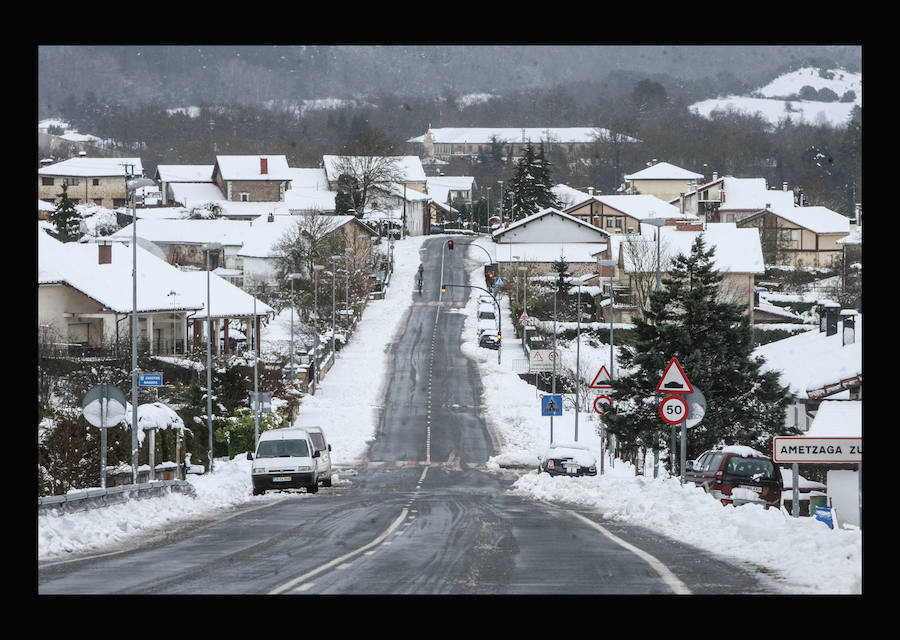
(306, 576)
(668, 577)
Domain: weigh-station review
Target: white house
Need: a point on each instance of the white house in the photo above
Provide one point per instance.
(85, 297)
(169, 175)
(663, 180)
(542, 238)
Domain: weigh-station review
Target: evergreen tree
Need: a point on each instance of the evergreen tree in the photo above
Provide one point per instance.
(65, 218)
(543, 184)
(712, 340)
(530, 189)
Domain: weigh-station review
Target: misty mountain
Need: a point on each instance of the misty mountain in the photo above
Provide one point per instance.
(255, 74)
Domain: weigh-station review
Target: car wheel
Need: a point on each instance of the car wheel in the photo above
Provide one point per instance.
(258, 492)
(313, 488)
(326, 483)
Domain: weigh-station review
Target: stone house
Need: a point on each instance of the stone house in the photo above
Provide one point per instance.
(252, 178)
(100, 181)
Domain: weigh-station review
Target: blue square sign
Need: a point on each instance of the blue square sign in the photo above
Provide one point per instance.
(551, 405)
(150, 379)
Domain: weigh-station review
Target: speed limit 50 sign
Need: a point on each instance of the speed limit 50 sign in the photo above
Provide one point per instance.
(673, 409)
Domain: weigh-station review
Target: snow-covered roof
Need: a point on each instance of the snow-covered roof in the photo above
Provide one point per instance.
(306, 199)
(544, 212)
(94, 167)
(568, 196)
(812, 359)
(664, 171)
(816, 219)
(410, 167)
(483, 135)
(439, 187)
(837, 419)
(76, 264)
(194, 193)
(641, 206)
(184, 172)
(737, 250)
(249, 167)
(263, 235)
(308, 178)
(181, 231)
(748, 194)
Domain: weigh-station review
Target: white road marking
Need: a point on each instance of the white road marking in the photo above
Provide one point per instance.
(292, 584)
(668, 577)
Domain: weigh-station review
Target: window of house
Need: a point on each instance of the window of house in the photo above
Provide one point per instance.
(119, 202)
(97, 201)
(47, 182)
(96, 182)
(71, 181)
(790, 238)
(245, 197)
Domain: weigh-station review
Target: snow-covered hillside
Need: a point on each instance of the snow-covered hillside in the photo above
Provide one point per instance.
(779, 99)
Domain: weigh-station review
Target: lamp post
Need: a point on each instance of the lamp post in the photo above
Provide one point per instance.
(316, 269)
(347, 255)
(334, 260)
(209, 246)
(292, 277)
(611, 265)
(658, 223)
(131, 187)
(524, 271)
(577, 358)
(555, 291)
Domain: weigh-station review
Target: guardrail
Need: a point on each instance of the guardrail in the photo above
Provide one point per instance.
(97, 498)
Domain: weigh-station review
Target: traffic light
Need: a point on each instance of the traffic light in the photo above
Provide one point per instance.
(443, 289)
(490, 279)
(450, 244)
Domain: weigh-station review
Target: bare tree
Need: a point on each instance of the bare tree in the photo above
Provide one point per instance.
(369, 172)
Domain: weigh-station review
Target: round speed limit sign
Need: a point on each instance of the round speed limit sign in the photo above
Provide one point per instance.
(673, 409)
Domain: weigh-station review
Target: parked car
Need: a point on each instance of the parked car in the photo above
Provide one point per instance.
(284, 459)
(489, 339)
(323, 462)
(568, 459)
(737, 475)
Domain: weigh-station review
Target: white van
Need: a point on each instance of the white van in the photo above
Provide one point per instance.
(284, 459)
(323, 462)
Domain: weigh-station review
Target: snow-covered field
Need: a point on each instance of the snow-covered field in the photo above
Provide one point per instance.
(773, 106)
(804, 555)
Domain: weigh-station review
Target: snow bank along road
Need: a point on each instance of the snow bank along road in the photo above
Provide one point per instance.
(442, 522)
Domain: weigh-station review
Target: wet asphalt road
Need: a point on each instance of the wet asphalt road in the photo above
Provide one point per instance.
(422, 516)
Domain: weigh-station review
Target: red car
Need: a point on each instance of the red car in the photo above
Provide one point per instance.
(738, 475)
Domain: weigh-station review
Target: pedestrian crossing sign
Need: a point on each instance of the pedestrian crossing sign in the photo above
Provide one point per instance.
(551, 405)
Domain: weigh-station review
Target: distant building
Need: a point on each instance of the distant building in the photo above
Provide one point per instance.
(100, 181)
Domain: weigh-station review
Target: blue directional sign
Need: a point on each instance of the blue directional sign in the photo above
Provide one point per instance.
(551, 405)
(150, 379)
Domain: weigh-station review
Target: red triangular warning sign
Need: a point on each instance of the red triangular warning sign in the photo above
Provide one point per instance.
(674, 380)
(602, 379)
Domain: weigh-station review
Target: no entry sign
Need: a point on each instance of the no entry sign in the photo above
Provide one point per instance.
(673, 409)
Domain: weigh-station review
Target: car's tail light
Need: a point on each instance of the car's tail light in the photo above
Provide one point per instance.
(593, 468)
(726, 501)
(549, 464)
(718, 476)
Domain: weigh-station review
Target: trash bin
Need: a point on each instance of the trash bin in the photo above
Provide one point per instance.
(817, 500)
(823, 514)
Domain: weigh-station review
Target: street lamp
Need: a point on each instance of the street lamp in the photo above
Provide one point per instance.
(131, 187)
(659, 223)
(209, 246)
(316, 269)
(347, 254)
(524, 271)
(611, 264)
(334, 260)
(292, 277)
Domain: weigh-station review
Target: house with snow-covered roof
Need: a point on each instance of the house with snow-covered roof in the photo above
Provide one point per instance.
(89, 180)
(85, 299)
(738, 256)
(800, 236)
(539, 240)
(182, 240)
(169, 175)
(617, 214)
(730, 199)
(260, 252)
(252, 178)
(663, 180)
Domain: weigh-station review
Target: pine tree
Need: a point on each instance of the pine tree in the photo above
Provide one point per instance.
(66, 218)
(530, 189)
(712, 340)
(545, 196)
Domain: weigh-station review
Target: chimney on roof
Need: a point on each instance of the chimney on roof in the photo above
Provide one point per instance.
(104, 253)
(590, 191)
(784, 186)
(263, 166)
(715, 176)
(271, 217)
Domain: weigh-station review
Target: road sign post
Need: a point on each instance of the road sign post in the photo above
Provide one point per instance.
(104, 406)
(674, 380)
(551, 405)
